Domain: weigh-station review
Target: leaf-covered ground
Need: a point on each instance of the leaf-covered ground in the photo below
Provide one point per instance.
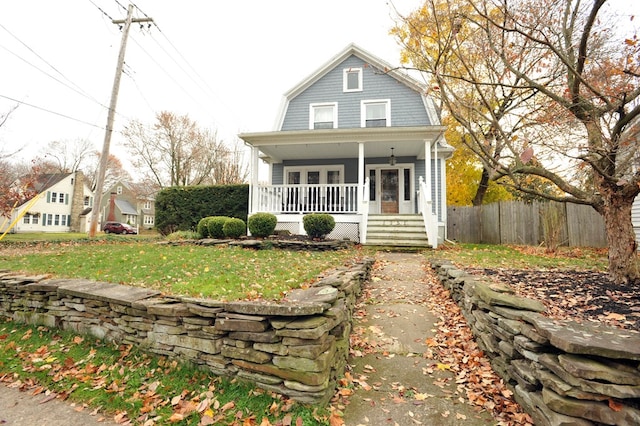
(581, 296)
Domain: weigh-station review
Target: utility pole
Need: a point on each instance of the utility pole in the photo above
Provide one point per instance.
(104, 158)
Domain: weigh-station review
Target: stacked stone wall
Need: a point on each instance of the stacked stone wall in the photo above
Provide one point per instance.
(561, 372)
(297, 347)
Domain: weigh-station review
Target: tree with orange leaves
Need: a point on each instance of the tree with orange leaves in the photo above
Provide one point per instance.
(544, 88)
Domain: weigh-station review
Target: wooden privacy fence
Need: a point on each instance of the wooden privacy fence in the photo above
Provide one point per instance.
(516, 222)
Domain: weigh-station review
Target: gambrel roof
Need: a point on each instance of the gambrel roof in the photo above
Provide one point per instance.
(370, 60)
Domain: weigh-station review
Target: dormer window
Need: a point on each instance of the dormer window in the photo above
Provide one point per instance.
(323, 116)
(376, 113)
(352, 80)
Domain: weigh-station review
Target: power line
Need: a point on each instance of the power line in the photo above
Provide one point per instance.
(101, 10)
(50, 111)
(76, 88)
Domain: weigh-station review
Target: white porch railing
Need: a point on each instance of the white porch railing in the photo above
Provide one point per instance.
(328, 198)
(425, 206)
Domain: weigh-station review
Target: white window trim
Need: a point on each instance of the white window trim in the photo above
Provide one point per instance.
(345, 72)
(322, 169)
(312, 108)
(363, 110)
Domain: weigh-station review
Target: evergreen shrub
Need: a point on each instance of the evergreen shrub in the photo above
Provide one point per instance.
(318, 225)
(215, 225)
(262, 225)
(234, 228)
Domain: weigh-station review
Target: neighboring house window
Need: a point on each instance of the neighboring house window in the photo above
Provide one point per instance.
(352, 80)
(26, 219)
(323, 116)
(49, 219)
(63, 220)
(148, 220)
(86, 201)
(34, 219)
(56, 220)
(376, 113)
(147, 205)
(119, 190)
(54, 197)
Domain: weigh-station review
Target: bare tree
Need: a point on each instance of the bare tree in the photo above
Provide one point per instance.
(584, 79)
(176, 152)
(69, 156)
(114, 172)
(4, 117)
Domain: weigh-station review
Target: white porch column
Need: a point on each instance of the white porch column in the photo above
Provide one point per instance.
(360, 176)
(427, 168)
(253, 202)
(436, 177)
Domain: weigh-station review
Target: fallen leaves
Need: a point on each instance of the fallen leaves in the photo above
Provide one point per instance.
(457, 351)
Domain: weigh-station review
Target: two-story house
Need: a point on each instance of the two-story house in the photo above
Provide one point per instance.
(123, 202)
(62, 204)
(363, 142)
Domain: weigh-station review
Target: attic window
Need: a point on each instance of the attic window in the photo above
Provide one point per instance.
(352, 80)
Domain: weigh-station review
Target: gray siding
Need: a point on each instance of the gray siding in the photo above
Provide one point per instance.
(407, 107)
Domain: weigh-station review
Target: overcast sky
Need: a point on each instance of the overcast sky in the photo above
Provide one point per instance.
(224, 63)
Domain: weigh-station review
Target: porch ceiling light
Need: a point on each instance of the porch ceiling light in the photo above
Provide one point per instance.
(392, 159)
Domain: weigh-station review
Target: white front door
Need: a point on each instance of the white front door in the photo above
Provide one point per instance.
(391, 189)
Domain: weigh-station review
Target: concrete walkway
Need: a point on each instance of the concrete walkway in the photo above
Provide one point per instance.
(23, 408)
(396, 380)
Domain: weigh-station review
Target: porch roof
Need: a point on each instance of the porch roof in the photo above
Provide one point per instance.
(343, 143)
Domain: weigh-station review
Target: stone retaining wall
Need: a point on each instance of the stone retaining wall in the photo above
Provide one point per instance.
(296, 347)
(562, 372)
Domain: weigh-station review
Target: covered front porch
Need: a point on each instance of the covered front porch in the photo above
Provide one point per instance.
(351, 174)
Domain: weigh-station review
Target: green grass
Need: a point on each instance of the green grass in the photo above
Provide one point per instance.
(522, 257)
(218, 272)
(125, 382)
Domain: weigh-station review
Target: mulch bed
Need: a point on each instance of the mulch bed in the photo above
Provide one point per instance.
(577, 295)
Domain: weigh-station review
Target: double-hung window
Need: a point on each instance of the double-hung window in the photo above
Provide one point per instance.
(376, 113)
(323, 116)
(352, 80)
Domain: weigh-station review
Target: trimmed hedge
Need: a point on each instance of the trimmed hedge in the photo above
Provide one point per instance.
(262, 225)
(181, 208)
(318, 225)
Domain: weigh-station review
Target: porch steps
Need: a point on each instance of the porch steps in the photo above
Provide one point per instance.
(397, 230)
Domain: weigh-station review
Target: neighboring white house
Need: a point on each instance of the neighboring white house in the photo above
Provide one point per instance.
(362, 141)
(62, 205)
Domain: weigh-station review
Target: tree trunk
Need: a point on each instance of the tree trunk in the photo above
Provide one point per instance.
(623, 257)
(482, 188)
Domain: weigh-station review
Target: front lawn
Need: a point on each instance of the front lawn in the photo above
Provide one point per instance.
(222, 273)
